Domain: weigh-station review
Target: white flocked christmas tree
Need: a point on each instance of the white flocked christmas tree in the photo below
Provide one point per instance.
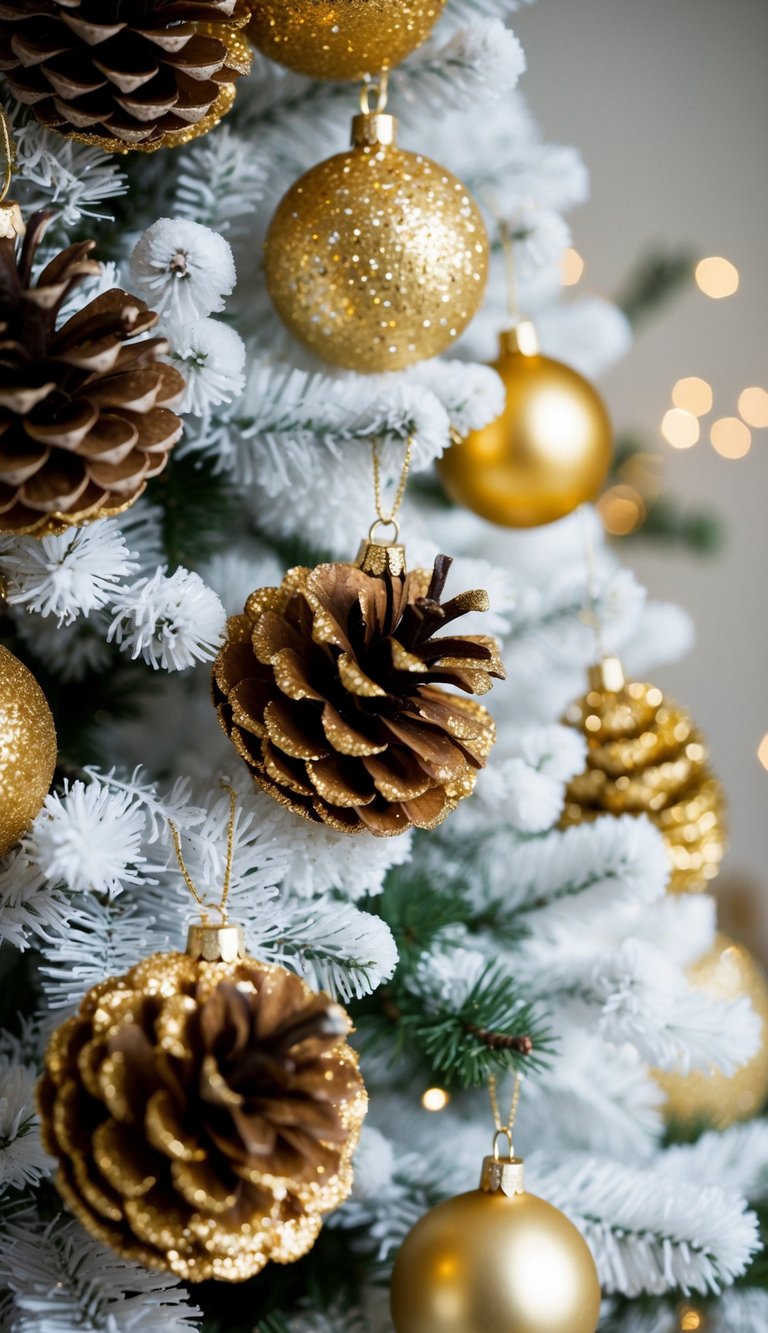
(568, 934)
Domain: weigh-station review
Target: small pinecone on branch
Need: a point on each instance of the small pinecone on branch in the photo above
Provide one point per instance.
(86, 410)
(329, 689)
(204, 1115)
(125, 74)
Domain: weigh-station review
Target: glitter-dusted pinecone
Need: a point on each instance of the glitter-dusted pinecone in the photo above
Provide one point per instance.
(125, 73)
(646, 756)
(204, 1114)
(329, 688)
(85, 409)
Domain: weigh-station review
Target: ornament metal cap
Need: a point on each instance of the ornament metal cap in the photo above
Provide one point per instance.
(377, 557)
(522, 340)
(607, 677)
(215, 944)
(372, 129)
(503, 1173)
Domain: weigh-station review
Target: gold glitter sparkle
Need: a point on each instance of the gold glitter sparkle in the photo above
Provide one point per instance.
(27, 749)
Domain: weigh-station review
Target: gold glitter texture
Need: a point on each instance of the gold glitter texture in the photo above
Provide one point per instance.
(341, 39)
(376, 258)
(27, 749)
(646, 756)
(178, 1144)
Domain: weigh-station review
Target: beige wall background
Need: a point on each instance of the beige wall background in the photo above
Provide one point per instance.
(668, 102)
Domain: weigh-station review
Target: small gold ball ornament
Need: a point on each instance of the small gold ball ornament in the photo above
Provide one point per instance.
(376, 258)
(546, 454)
(27, 749)
(496, 1258)
(727, 972)
(341, 39)
(646, 756)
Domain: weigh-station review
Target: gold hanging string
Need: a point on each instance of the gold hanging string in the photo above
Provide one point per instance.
(380, 86)
(510, 269)
(9, 155)
(221, 906)
(503, 1129)
(389, 520)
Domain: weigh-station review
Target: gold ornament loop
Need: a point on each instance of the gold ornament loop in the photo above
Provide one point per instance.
(221, 905)
(502, 1133)
(384, 523)
(380, 86)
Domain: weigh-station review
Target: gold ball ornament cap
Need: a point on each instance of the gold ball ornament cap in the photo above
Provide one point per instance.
(727, 972)
(495, 1258)
(376, 258)
(341, 39)
(646, 756)
(548, 452)
(27, 749)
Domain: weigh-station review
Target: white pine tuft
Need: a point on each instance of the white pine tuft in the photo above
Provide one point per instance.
(183, 270)
(170, 621)
(69, 575)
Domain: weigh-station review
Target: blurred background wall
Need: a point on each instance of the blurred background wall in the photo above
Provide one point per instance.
(668, 102)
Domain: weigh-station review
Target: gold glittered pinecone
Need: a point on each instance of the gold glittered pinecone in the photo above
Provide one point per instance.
(125, 74)
(86, 409)
(646, 756)
(204, 1114)
(330, 689)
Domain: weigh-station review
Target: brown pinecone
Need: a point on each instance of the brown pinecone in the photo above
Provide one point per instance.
(125, 73)
(329, 689)
(85, 409)
(204, 1115)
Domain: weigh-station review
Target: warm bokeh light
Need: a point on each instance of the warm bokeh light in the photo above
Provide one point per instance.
(622, 510)
(680, 428)
(694, 395)
(730, 437)
(572, 267)
(753, 406)
(762, 751)
(690, 1321)
(717, 277)
(435, 1099)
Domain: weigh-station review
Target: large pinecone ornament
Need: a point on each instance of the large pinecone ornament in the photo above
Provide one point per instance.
(123, 74)
(86, 408)
(646, 756)
(204, 1114)
(330, 689)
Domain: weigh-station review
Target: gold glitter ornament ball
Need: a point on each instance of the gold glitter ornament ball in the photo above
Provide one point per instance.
(645, 755)
(341, 39)
(204, 1109)
(495, 1259)
(376, 258)
(27, 749)
(727, 972)
(546, 454)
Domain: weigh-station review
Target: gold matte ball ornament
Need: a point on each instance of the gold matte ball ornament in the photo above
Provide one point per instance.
(728, 972)
(204, 1109)
(496, 1258)
(376, 258)
(27, 749)
(341, 39)
(548, 452)
(646, 756)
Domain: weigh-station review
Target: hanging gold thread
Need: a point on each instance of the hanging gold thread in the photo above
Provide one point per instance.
(221, 906)
(502, 1128)
(390, 519)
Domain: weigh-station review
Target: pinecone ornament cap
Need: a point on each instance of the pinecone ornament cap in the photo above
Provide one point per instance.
(86, 407)
(204, 1115)
(331, 688)
(125, 74)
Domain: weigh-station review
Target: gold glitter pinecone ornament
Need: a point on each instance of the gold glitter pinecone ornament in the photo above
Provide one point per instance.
(204, 1109)
(645, 756)
(329, 689)
(86, 408)
(341, 39)
(144, 75)
(27, 749)
(376, 258)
